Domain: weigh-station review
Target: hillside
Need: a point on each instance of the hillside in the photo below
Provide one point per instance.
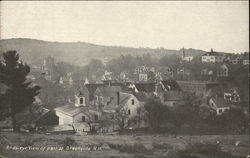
(79, 53)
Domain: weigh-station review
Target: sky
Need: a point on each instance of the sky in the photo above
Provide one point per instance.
(221, 25)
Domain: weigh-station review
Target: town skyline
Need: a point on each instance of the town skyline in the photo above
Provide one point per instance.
(170, 25)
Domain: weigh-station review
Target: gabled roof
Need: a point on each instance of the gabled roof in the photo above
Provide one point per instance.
(123, 99)
(92, 88)
(143, 97)
(220, 102)
(145, 87)
(171, 85)
(72, 110)
(212, 53)
(109, 91)
(174, 95)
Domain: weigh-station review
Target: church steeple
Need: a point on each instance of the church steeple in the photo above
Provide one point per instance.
(183, 52)
(79, 99)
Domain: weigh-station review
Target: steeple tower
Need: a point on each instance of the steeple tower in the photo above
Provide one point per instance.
(79, 99)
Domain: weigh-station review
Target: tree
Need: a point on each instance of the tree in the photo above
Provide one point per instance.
(155, 112)
(20, 93)
(121, 118)
(151, 76)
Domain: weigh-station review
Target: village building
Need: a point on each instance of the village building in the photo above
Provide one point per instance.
(143, 76)
(235, 59)
(173, 97)
(199, 88)
(212, 57)
(222, 70)
(140, 69)
(79, 112)
(232, 95)
(104, 95)
(219, 105)
(66, 80)
(245, 60)
(127, 105)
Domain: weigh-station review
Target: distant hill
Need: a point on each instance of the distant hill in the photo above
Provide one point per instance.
(34, 51)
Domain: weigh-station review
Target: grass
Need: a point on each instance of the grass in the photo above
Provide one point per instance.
(198, 150)
(126, 146)
(164, 146)
(131, 148)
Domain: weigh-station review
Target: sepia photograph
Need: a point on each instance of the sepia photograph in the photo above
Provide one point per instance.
(124, 79)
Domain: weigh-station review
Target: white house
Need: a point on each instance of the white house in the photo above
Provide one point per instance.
(232, 95)
(78, 112)
(143, 77)
(219, 105)
(212, 57)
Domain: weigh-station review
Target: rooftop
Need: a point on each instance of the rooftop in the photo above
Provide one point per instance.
(72, 110)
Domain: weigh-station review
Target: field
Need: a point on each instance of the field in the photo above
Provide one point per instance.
(111, 146)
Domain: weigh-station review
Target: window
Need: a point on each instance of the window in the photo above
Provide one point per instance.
(96, 98)
(128, 111)
(83, 118)
(101, 99)
(220, 111)
(81, 100)
(133, 102)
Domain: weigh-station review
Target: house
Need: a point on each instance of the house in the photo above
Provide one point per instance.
(199, 88)
(163, 73)
(173, 97)
(222, 71)
(170, 85)
(212, 57)
(183, 71)
(235, 59)
(232, 95)
(127, 105)
(79, 112)
(123, 75)
(143, 76)
(107, 75)
(104, 95)
(140, 69)
(66, 80)
(143, 87)
(92, 88)
(245, 59)
(219, 105)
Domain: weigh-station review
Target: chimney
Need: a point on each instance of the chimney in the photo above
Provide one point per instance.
(118, 98)
(133, 90)
(183, 52)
